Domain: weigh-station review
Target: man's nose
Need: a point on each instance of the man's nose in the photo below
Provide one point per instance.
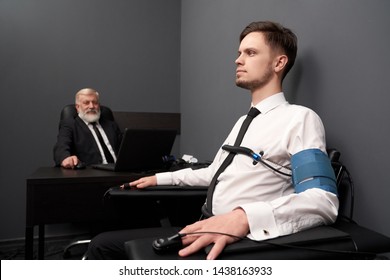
(238, 60)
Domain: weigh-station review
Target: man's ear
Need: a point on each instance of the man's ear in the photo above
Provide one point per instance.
(77, 106)
(280, 63)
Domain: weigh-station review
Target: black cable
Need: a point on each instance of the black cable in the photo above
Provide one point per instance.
(352, 192)
(274, 169)
(212, 232)
(340, 176)
(256, 157)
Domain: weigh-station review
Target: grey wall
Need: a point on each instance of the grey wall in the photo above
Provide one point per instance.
(130, 51)
(341, 73)
(127, 50)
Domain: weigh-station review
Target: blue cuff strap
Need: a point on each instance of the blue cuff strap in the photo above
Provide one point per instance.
(312, 169)
(320, 183)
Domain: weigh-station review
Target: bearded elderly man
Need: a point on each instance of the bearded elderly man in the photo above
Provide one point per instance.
(78, 138)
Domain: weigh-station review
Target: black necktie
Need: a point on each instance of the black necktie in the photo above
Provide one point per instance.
(107, 153)
(253, 112)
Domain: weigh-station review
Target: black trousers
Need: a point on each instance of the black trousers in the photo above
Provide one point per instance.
(111, 245)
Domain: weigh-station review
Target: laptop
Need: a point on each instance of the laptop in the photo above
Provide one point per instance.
(142, 150)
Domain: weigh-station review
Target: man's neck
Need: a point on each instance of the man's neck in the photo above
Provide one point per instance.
(262, 93)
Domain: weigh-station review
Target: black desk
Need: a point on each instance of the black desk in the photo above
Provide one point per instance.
(57, 195)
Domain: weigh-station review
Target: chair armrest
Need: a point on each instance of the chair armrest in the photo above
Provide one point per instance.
(339, 241)
(365, 240)
(309, 244)
(159, 192)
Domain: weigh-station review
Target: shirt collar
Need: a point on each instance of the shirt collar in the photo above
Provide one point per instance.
(271, 102)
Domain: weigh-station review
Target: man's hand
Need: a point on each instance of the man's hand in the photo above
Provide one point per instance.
(234, 223)
(70, 162)
(144, 182)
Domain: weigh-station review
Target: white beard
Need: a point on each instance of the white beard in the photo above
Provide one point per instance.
(88, 117)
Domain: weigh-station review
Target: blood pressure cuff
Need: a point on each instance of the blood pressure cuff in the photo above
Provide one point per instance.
(311, 168)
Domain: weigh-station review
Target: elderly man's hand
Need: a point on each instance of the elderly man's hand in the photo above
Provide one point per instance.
(70, 162)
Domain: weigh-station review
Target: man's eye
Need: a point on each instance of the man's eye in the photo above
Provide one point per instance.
(90, 102)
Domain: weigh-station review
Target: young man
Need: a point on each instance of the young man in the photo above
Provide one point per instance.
(253, 200)
(78, 138)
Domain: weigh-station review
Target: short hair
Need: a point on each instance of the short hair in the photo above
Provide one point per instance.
(86, 91)
(277, 36)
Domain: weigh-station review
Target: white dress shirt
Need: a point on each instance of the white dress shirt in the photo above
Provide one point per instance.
(267, 197)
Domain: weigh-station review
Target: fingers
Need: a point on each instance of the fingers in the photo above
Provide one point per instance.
(198, 242)
(217, 249)
(137, 183)
(195, 242)
(142, 183)
(220, 230)
(201, 241)
(70, 162)
(125, 186)
(195, 227)
(75, 160)
(66, 163)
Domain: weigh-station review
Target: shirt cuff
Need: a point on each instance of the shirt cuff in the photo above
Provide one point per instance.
(164, 178)
(261, 221)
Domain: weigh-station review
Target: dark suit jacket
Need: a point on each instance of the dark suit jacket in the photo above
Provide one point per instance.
(75, 138)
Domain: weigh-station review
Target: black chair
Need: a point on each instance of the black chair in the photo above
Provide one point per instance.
(69, 112)
(343, 240)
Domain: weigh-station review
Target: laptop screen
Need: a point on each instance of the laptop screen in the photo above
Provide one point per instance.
(144, 149)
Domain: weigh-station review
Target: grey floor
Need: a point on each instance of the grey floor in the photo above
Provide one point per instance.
(54, 249)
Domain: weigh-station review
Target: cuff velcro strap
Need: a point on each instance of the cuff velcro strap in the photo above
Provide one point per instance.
(320, 183)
